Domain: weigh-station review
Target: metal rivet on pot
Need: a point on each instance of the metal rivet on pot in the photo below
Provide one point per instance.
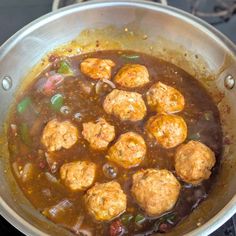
(229, 82)
(6, 82)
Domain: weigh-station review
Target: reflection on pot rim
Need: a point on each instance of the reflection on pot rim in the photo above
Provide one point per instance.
(221, 47)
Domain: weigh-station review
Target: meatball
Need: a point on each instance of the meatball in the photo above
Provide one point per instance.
(97, 68)
(105, 201)
(125, 105)
(169, 130)
(58, 135)
(164, 98)
(193, 162)
(98, 134)
(78, 175)
(128, 151)
(156, 191)
(132, 76)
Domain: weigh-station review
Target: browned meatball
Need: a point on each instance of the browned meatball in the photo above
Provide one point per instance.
(169, 130)
(156, 191)
(98, 134)
(193, 162)
(128, 151)
(58, 135)
(164, 98)
(78, 175)
(125, 105)
(105, 201)
(97, 68)
(132, 76)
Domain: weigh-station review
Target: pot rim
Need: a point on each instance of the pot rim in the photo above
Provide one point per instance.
(224, 214)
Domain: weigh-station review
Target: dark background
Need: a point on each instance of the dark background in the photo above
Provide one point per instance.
(14, 14)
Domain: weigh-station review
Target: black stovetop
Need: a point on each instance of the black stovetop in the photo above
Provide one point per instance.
(14, 14)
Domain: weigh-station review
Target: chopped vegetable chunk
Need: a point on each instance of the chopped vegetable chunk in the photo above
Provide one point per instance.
(64, 68)
(57, 102)
(24, 104)
(102, 143)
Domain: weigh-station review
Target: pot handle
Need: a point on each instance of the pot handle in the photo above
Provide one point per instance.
(56, 4)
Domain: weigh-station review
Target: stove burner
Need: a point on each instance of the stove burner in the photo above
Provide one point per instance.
(215, 12)
(62, 3)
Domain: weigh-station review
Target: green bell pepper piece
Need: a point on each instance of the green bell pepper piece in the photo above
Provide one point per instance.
(65, 68)
(130, 57)
(57, 102)
(24, 104)
(139, 219)
(126, 218)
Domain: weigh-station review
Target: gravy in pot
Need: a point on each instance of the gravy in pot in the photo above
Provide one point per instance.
(61, 118)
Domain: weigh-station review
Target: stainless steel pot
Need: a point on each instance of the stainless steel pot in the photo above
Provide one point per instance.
(142, 26)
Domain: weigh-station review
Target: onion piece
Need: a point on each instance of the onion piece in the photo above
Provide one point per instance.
(16, 169)
(60, 208)
(51, 177)
(111, 84)
(186, 185)
(76, 228)
(98, 86)
(84, 232)
(51, 83)
(100, 82)
(39, 85)
(27, 172)
(52, 162)
(14, 129)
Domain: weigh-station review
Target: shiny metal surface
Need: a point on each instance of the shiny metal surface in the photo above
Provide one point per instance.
(57, 4)
(6, 82)
(21, 52)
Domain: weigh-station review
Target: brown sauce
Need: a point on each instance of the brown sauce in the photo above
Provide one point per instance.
(25, 130)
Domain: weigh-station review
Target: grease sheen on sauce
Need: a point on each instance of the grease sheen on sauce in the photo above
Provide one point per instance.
(80, 108)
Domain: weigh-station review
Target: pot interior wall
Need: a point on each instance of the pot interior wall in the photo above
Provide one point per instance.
(136, 27)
